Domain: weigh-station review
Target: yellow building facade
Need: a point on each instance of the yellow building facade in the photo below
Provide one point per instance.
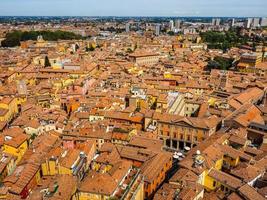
(17, 151)
(8, 108)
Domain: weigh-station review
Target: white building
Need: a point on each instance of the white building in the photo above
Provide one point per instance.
(178, 24)
(263, 22)
(216, 22)
(248, 23)
(256, 22)
(233, 22)
(157, 29)
(171, 24)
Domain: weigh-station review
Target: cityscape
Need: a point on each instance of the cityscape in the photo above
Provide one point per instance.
(130, 103)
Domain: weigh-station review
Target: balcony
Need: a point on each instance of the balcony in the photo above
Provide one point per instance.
(130, 186)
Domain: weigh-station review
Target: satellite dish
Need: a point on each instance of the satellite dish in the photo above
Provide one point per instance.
(179, 154)
(187, 148)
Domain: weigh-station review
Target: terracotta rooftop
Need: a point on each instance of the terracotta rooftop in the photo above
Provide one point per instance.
(250, 193)
(225, 179)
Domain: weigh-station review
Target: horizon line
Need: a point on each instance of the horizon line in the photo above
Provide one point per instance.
(124, 16)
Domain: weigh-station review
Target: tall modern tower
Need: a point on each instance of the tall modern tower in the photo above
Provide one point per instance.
(248, 23)
(178, 24)
(263, 22)
(216, 22)
(171, 24)
(213, 22)
(157, 29)
(255, 22)
(233, 22)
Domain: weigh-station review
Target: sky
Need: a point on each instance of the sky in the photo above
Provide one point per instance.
(205, 8)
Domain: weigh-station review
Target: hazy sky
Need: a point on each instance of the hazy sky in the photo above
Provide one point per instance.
(134, 7)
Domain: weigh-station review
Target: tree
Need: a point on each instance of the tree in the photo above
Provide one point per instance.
(220, 63)
(47, 62)
(129, 50)
(13, 39)
(135, 46)
(76, 47)
(224, 40)
(171, 33)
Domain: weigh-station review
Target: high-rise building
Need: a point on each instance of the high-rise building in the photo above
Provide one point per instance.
(177, 24)
(171, 24)
(248, 23)
(255, 22)
(263, 22)
(233, 22)
(216, 21)
(127, 27)
(157, 29)
(213, 22)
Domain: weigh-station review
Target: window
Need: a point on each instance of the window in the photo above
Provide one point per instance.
(222, 187)
(188, 138)
(168, 143)
(214, 183)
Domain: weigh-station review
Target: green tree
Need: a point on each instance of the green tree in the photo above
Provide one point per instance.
(76, 47)
(135, 46)
(13, 39)
(129, 50)
(220, 63)
(224, 40)
(47, 62)
(171, 33)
